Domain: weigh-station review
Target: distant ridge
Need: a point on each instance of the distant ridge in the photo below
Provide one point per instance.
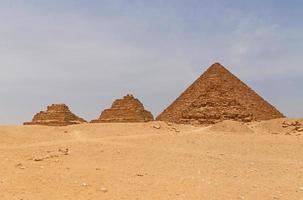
(215, 96)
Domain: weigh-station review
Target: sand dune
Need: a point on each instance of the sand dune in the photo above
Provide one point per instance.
(152, 161)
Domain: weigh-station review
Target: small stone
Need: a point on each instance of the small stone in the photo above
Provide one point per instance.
(175, 129)
(139, 175)
(169, 124)
(20, 166)
(38, 159)
(157, 126)
(64, 151)
(84, 184)
(301, 188)
(104, 190)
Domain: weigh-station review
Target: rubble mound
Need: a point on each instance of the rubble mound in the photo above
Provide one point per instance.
(128, 109)
(56, 115)
(216, 96)
(231, 127)
(279, 126)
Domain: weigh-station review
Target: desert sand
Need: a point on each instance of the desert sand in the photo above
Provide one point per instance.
(155, 160)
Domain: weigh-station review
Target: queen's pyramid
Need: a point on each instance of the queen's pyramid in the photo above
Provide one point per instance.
(216, 96)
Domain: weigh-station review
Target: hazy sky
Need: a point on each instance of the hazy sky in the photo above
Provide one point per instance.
(86, 53)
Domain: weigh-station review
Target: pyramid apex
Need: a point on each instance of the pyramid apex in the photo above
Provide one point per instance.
(216, 65)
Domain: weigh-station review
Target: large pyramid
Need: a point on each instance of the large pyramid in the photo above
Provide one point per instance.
(216, 96)
(128, 109)
(56, 115)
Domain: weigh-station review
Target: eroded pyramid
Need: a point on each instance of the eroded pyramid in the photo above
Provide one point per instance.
(215, 96)
(128, 109)
(56, 115)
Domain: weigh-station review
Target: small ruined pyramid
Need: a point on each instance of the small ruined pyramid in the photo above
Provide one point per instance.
(128, 109)
(56, 115)
(216, 96)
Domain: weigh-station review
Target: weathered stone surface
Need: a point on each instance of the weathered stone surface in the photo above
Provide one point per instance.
(128, 109)
(56, 115)
(216, 96)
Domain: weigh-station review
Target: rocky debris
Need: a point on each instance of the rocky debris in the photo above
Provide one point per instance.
(299, 129)
(169, 124)
(128, 109)
(20, 166)
(157, 126)
(56, 115)
(283, 126)
(84, 184)
(45, 158)
(174, 129)
(64, 151)
(171, 127)
(216, 96)
(59, 153)
(104, 190)
(293, 127)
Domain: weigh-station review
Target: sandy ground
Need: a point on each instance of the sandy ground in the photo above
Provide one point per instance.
(140, 161)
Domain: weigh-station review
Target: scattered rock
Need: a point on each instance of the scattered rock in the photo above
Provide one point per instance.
(104, 190)
(172, 128)
(241, 197)
(38, 159)
(139, 175)
(20, 166)
(84, 184)
(157, 126)
(64, 151)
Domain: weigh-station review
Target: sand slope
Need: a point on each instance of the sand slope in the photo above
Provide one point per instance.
(148, 161)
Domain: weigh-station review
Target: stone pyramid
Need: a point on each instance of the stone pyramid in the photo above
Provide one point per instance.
(56, 115)
(128, 109)
(216, 96)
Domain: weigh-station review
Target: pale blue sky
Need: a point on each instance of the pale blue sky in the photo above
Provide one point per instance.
(86, 53)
